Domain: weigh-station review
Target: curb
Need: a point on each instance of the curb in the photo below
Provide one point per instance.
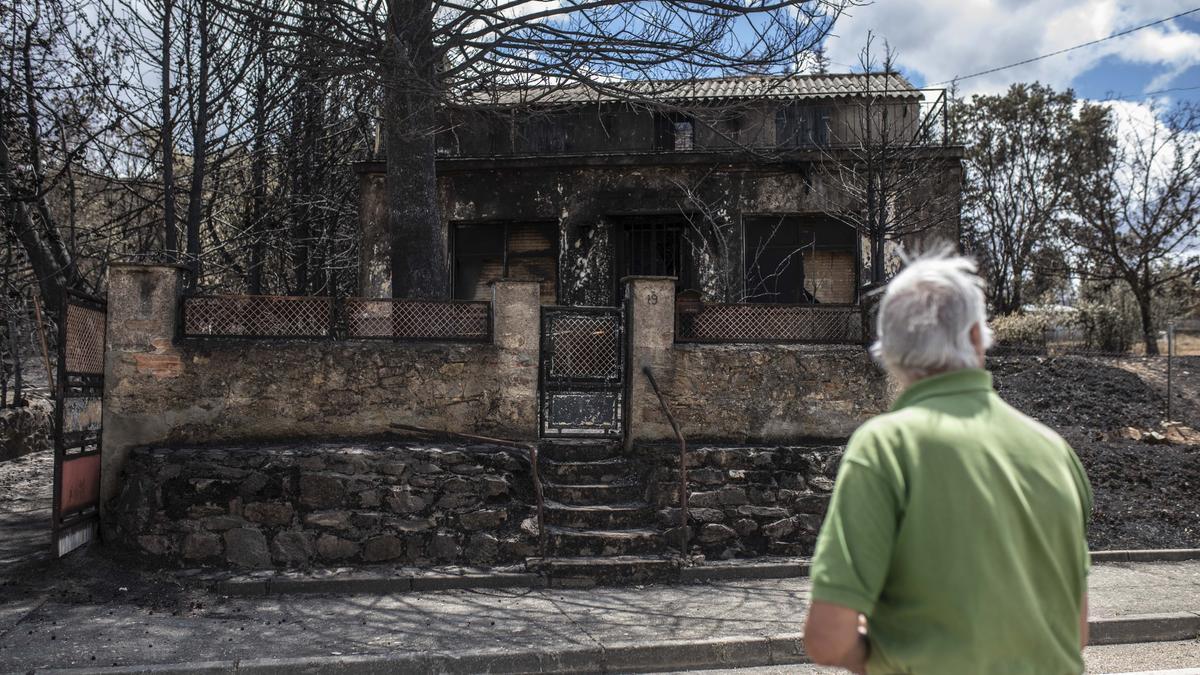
(1144, 628)
(737, 651)
(366, 582)
(1147, 555)
(731, 652)
(376, 584)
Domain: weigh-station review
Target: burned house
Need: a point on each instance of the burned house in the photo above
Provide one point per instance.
(699, 248)
(744, 189)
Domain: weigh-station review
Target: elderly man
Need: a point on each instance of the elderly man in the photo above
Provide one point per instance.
(955, 538)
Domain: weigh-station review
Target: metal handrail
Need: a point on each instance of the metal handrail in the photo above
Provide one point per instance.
(683, 481)
(533, 462)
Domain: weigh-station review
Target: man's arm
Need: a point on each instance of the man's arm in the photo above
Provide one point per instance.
(832, 637)
(1083, 623)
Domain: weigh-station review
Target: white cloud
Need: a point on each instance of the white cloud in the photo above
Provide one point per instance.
(941, 39)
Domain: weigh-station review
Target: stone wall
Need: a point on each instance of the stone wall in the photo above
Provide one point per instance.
(746, 501)
(163, 390)
(743, 393)
(324, 504)
(26, 429)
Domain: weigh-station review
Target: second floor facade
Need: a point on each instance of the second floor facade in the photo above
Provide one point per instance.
(757, 114)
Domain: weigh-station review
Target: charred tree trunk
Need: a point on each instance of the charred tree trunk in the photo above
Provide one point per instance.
(418, 242)
(258, 171)
(195, 213)
(1149, 335)
(170, 233)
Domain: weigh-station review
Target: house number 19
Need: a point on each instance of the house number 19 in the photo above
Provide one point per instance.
(652, 298)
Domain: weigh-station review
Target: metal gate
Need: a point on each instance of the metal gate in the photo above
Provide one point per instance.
(78, 398)
(582, 372)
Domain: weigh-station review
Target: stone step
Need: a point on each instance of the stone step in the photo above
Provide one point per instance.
(600, 516)
(599, 493)
(611, 570)
(586, 473)
(578, 450)
(566, 542)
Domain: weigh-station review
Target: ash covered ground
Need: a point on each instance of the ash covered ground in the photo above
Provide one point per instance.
(1147, 492)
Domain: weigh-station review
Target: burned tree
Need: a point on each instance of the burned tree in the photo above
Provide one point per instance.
(426, 56)
(1136, 194)
(884, 173)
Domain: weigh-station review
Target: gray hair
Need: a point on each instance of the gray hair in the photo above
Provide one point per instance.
(926, 316)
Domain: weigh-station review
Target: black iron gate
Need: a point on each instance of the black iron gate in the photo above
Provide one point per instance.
(582, 372)
(78, 398)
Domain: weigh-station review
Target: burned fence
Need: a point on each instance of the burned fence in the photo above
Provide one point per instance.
(772, 323)
(275, 316)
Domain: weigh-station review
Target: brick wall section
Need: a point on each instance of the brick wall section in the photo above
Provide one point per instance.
(326, 505)
(746, 501)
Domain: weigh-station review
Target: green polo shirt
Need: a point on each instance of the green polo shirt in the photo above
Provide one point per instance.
(957, 526)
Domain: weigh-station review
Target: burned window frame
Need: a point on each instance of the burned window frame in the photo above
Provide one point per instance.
(827, 234)
(654, 230)
(801, 124)
(665, 131)
(506, 255)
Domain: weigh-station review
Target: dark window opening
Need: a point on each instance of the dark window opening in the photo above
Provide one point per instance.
(796, 260)
(684, 135)
(490, 252)
(674, 131)
(544, 135)
(798, 125)
(657, 247)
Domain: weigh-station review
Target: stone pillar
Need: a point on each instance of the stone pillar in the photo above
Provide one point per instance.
(516, 332)
(143, 310)
(374, 242)
(650, 302)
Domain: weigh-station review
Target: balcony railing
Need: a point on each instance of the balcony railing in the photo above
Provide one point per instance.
(284, 316)
(817, 324)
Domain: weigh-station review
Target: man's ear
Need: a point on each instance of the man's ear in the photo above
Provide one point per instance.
(977, 342)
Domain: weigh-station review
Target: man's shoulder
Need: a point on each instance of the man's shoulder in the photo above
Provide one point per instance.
(889, 426)
(1012, 417)
(880, 438)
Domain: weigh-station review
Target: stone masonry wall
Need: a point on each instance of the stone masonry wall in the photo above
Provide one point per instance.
(746, 501)
(324, 505)
(26, 429)
(764, 392)
(743, 393)
(165, 390)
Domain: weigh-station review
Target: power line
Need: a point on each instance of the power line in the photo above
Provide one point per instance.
(1151, 93)
(1068, 49)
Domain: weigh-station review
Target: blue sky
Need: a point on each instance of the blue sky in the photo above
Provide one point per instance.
(936, 40)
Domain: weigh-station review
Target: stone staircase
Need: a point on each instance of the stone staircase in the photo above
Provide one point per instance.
(599, 526)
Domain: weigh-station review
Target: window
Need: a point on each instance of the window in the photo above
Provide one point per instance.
(657, 247)
(490, 252)
(798, 125)
(797, 260)
(684, 134)
(674, 131)
(544, 134)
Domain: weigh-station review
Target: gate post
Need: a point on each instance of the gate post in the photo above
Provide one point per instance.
(516, 332)
(650, 303)
(143, 311)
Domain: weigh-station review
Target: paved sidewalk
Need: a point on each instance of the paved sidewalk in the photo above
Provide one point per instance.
(729, 623)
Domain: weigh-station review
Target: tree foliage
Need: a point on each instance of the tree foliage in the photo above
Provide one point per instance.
(1136, 193)
(1023, 148)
